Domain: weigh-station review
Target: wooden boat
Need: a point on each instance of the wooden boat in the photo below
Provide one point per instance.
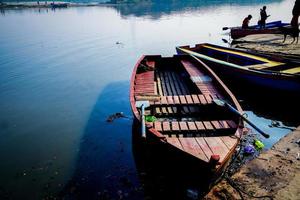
(180, 91)
(271, 28)
(251, 69)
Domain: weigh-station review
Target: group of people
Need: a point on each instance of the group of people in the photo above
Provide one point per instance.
(264, 16)
(261, 22)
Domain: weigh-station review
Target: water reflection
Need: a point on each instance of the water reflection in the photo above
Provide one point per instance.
(157, 8)
(104, 167)
(165, 174)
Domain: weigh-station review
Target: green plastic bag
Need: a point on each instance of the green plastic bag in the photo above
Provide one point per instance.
(258, 144)
(150, 118)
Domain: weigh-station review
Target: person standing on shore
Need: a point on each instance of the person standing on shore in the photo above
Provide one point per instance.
(263, 17)
(294, 21)
(246, 21)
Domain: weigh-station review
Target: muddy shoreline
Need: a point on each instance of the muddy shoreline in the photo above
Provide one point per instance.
(274, 174)
(269, 43)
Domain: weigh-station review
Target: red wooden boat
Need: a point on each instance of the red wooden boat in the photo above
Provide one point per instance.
(180, 92)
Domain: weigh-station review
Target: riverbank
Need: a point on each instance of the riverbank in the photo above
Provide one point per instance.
(273, 174)
(268, 43)
(48, 4)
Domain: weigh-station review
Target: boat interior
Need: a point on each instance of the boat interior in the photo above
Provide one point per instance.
(247, 60)
(181, 92)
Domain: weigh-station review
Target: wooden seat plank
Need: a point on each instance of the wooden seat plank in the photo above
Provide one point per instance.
(176, 99)
(175, 126)
(189, 99)
(202, 99)
(164, 110)
(183, 126)
(224, 124)
(170, 100)
(157, 111)
(208, 125)
(195, 99)
(216, 124)
(164, 100)
(231, 123)
(166, 126)
(200, 125)
(182, 99)
(192, 126)
(208, 98)
(157, 126)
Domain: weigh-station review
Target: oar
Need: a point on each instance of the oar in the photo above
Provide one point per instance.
(143, 105)
(232, 109)
(226, 28)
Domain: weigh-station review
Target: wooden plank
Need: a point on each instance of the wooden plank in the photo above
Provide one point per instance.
(217, 147)
(160, 92)
(157, 111)
(175, 142)
(202, 99)
(205, 148)
(167, 84)
(189, 99)
(232, 124)
(164, 89)
(164, 100)
(216, 124)
(200, 125)
(230, 142)
(208, 125)
(224, 124)
(183, 126)
(191, 146)
(157, 126)
(176, 99)
(176, 80)
(171, 82)
(166, 126)
(164, 110)
(208, 98)
(182, 99)
(169, 109)
(170, 100)
(192, 126)
(175, 126)
(195, 99)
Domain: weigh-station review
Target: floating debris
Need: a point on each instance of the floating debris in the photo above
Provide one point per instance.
(117, 115)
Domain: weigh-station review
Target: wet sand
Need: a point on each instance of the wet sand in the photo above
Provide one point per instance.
(270, 43)
(274, 174)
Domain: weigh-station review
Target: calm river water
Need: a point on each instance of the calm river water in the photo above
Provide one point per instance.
(63, 71)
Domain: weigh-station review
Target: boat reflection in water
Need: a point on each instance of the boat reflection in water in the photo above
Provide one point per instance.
(165, 175)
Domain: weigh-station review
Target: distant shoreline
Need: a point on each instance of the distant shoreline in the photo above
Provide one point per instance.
(49, 4)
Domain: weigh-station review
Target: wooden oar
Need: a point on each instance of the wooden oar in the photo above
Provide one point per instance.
(226, 28)
(142, 105)
(232, 109)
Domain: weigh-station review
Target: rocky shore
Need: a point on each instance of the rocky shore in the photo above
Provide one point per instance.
(274, 174)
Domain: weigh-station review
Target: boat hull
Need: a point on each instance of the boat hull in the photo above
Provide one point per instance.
(271, 28)
(252, 78)
(203, 134)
